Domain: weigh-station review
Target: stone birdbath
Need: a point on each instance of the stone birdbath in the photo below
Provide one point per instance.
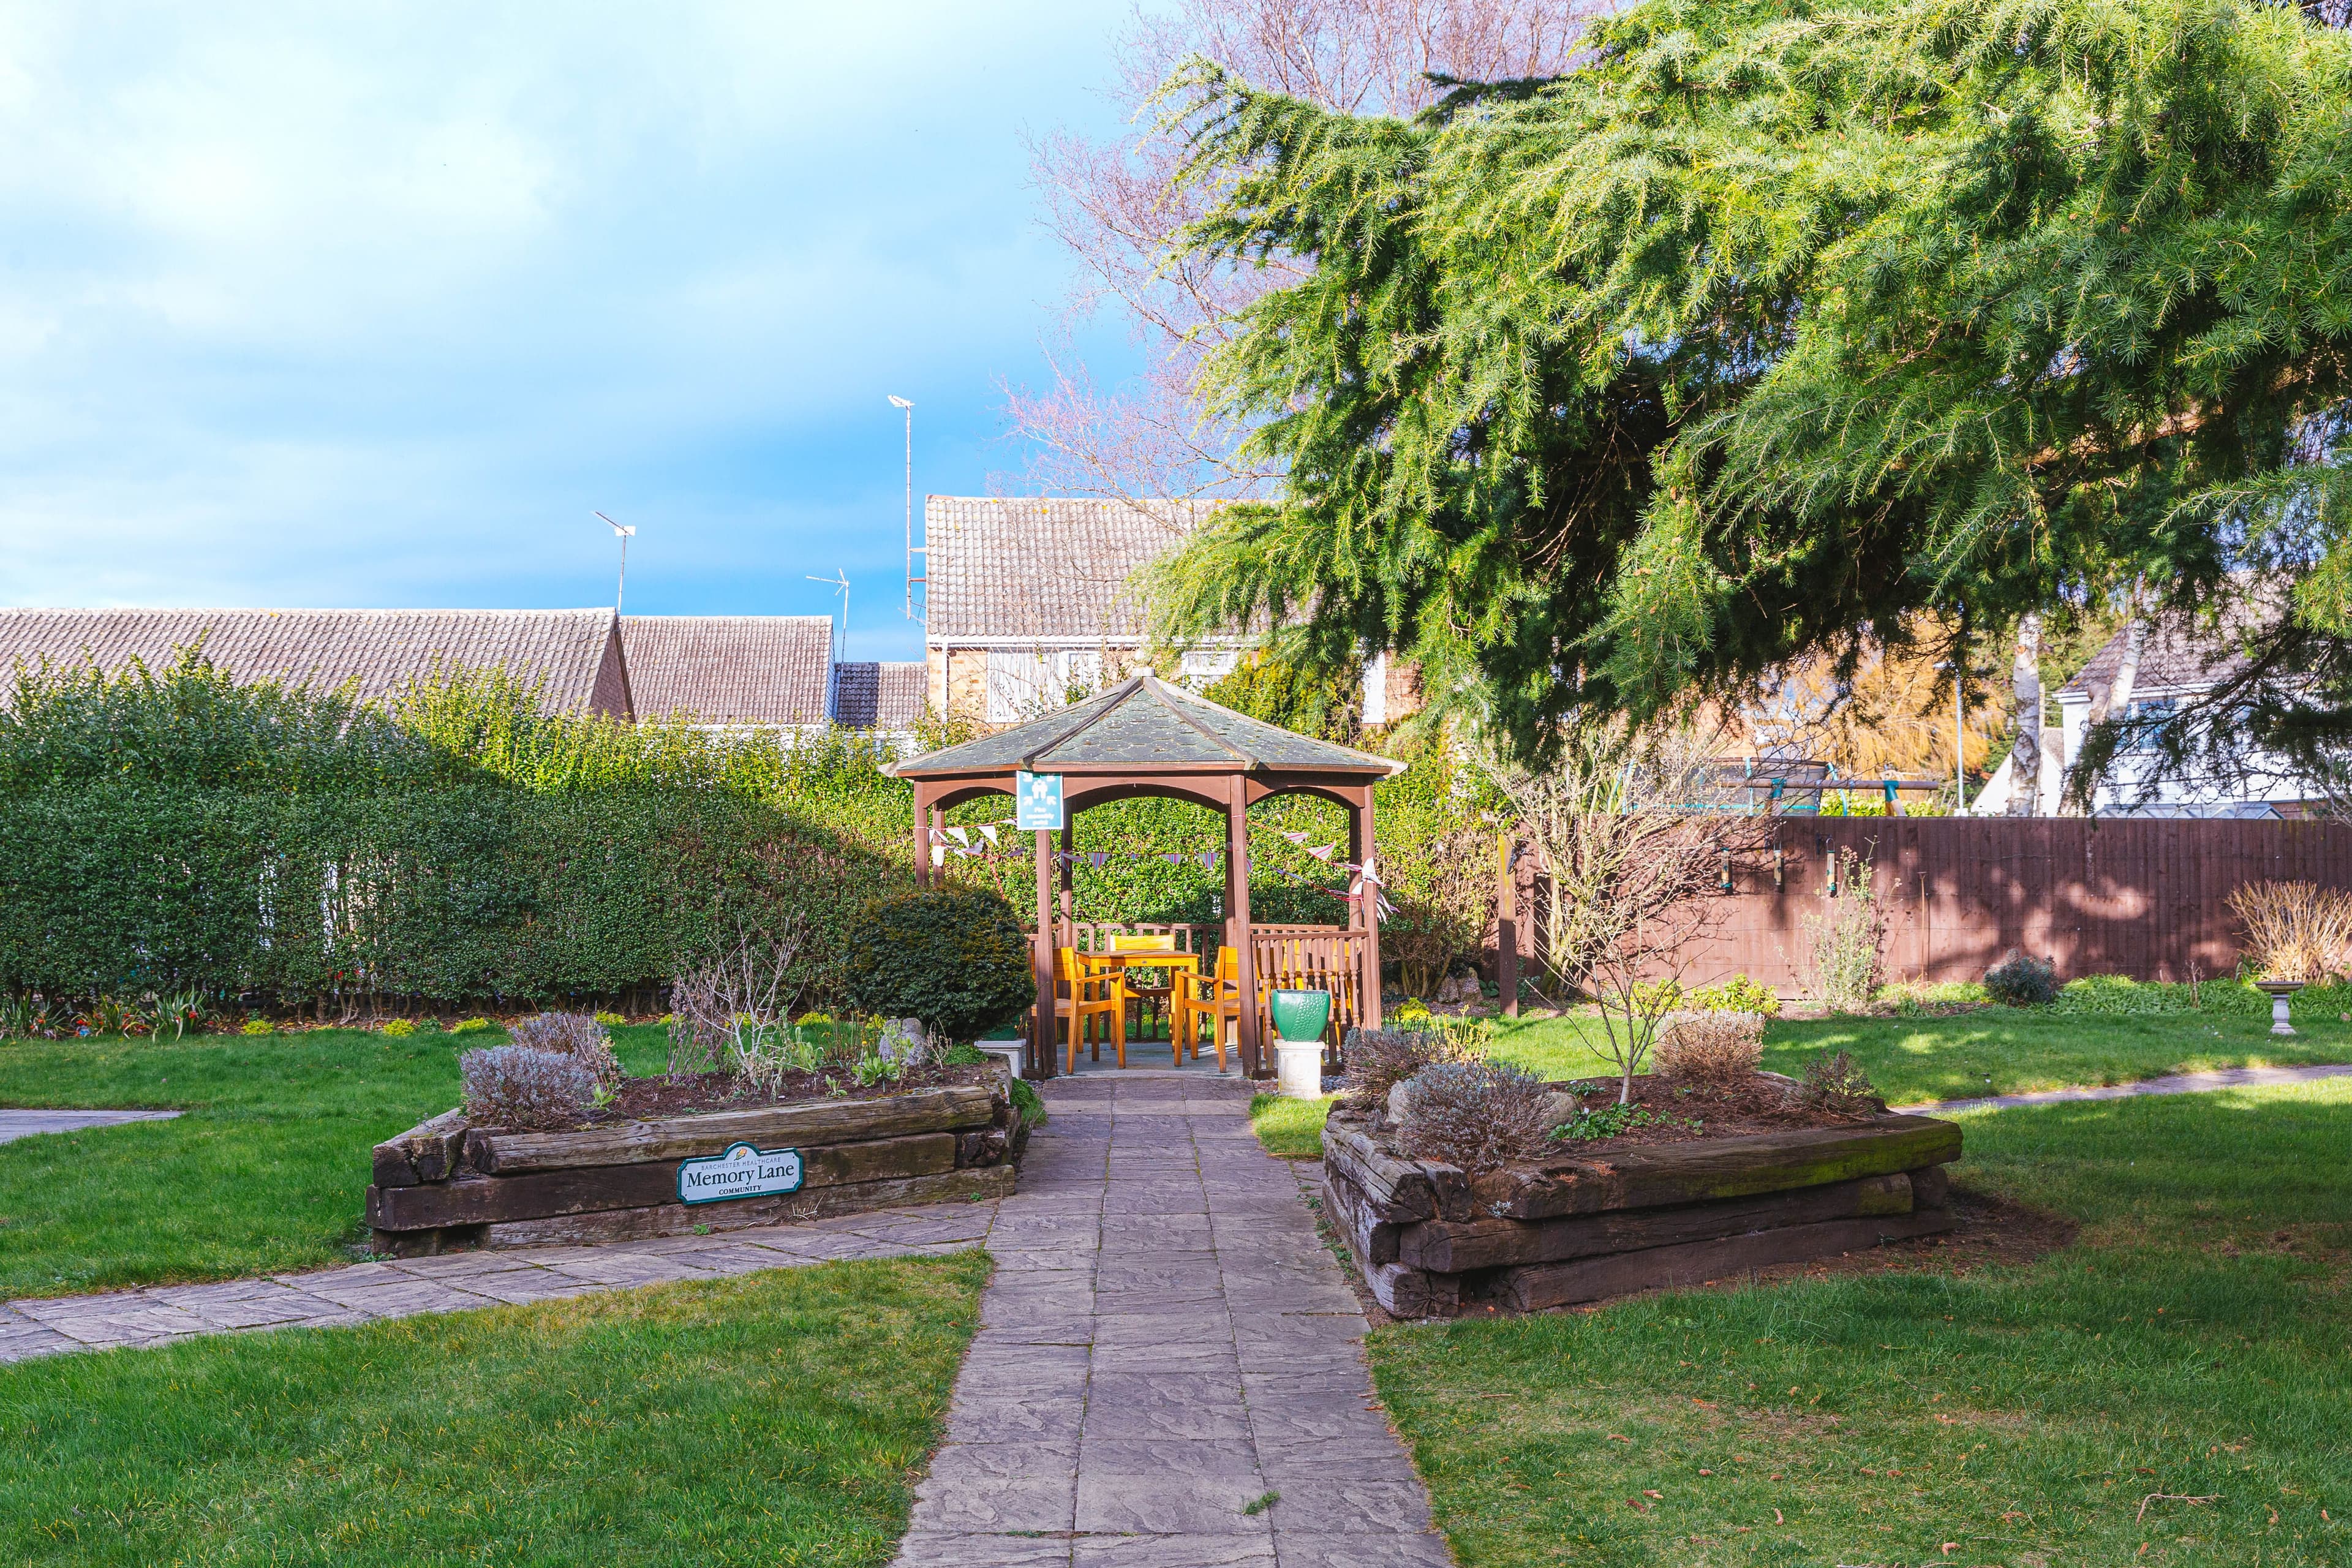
(2279, 991)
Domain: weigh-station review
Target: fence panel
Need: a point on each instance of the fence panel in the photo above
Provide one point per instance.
(2147, 897)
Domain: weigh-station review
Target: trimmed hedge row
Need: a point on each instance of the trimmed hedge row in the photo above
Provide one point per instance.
(441, 894)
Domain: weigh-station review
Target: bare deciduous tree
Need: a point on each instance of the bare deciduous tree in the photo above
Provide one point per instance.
(1115, 205)
(1635, 844)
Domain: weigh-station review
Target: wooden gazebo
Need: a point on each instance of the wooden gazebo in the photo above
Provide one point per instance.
(1146, 737)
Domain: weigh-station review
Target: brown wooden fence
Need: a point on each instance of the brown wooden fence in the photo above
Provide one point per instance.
(2138, 897)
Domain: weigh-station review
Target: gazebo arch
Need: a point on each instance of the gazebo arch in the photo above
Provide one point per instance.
(1146, 737)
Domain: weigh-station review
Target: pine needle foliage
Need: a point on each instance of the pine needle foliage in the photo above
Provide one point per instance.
(1778, 323)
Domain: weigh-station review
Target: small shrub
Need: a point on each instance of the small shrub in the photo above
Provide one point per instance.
(2021, 980)
(1377, 1060)
(575, 1035)
(259, 1027)
(1723, 1049)
(610, 1020)
(1835, 1083)
(520, 1087)
(1844, 949)
(470, 1025)
(1476, 1115)
(1607, 1121)
(953, 957)
(1028, 1102)
(400, 1029)
(2296, 930)
(1737, 995)
(1412, 1010)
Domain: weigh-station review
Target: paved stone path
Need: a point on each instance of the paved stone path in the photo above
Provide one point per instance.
(1166, 1343)
(24, 1123)
(2178, 1083)
(365, 1291)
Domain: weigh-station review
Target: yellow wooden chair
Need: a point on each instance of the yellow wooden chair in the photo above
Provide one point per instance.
(1157, 998)
(1215, 998)
(1095, 998)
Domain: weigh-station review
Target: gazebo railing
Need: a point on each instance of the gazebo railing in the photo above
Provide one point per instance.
(1309, 959)
(1286, 957)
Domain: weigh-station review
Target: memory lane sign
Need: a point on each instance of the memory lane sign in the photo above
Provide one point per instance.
(741, 1171)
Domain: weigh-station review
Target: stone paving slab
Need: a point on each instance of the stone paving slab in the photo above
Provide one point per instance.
(17, 1124)
(458, 1282)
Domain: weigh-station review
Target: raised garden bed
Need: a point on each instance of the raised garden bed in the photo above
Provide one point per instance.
(446, 1184)
(1594, 1222)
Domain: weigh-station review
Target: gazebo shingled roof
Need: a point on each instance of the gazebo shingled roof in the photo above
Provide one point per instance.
(1145, 724)
(1146, 737)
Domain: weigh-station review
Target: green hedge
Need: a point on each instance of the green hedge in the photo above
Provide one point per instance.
(168, 831)
(441, 894)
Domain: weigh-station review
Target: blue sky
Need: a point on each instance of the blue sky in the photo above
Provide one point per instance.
(371, 305)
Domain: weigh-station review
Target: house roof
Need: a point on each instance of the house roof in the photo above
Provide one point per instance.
(730, 669)
(572, 652)
(1145, 725)
(1042, 566)
(881, 696)
(2174, 652)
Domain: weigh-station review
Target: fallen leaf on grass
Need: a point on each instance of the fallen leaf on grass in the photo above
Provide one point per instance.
(1777, 1519)
(1637, 1505)
(1612, 1437)
(1647, 1492)
(1948, 1548)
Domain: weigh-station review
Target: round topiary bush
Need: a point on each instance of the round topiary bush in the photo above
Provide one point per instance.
(953, 957)
(2018, 980)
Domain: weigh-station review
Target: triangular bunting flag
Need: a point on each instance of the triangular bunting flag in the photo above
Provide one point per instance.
(988, 831)
(1097, 859)
(1321, 852)
(960, 837)
(1209, 859)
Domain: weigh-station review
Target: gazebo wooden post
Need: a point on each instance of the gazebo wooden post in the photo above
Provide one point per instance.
(1237, 919)
(927, 830)
(1365, 851)
(1041, 1038)
(1069, 860)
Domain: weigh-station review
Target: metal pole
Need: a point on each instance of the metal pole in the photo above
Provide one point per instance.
(1959, 742)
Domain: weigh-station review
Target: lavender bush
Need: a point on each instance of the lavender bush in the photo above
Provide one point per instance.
(520, 1087)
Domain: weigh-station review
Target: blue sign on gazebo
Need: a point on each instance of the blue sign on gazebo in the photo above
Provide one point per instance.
(1037, 802)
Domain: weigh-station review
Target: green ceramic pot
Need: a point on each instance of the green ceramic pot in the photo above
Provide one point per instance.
(1301, 1014)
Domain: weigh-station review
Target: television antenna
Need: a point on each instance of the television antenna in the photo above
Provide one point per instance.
(623, 534)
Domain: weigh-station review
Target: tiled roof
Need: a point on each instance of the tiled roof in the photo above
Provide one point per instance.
(1147, 725)
(574, 652)
(730, 669)
(880, 696)
(2174, 652)
(1041, 566)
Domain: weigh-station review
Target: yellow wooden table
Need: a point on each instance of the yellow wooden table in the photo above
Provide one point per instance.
(1120, 961)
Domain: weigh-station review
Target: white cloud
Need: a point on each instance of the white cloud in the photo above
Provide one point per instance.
(357, 304)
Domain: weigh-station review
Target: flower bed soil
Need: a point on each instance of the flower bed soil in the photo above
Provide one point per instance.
(1654, 1207)
(1763, 1104)
(446, 1184)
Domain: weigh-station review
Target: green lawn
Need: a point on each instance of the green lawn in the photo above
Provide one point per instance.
(1992, 1050)
(2197, 1340)
(265, 1172)
(772, 1418)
